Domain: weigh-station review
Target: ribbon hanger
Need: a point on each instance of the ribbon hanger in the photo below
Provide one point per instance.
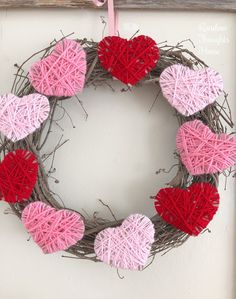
(112, 15)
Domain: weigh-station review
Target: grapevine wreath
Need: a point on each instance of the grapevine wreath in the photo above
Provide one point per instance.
(203, 148)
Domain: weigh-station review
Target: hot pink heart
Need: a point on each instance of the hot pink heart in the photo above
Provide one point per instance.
(190, 91)
(62, 73)
(53, 230)
(127, 246)
(20, 117)
(202, 151)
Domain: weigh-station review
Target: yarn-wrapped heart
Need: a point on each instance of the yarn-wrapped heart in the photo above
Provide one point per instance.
(127, 246)
(20, 117)
(53, 230)
(202, 151)
(190, 91)
(189, 210)
(128, 60)
(62, 73)
(18, 175)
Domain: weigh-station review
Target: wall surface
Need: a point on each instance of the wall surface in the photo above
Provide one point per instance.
(113, 156)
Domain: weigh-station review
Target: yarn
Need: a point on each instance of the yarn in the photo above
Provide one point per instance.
(190, 91)
(128, 60)
(18, 175)
(189, 210)
(53, 230)
(127, 246)
(202, 151)
(62, 73)
(20, 117)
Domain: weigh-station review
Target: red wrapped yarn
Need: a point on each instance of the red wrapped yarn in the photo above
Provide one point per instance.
(128, 60)
(18, 175)
(189, 210)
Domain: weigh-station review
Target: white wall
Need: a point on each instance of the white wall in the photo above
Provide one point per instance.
(113, 156)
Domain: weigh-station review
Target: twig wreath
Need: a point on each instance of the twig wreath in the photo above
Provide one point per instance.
(204, 150)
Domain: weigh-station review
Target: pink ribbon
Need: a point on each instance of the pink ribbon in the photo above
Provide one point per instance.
(112, 15)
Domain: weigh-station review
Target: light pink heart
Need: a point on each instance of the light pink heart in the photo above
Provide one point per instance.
(190, 91)
(53, 230)
(202, 151)
(62, 73)
(127, 246)
(20, 117)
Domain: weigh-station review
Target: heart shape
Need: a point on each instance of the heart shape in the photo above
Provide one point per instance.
(128, 60)
(62, 73)
(202, 151)
(53, 230)
(127, 246)
(190, 91)
(18, 175)
(20, 117)
(189, 210)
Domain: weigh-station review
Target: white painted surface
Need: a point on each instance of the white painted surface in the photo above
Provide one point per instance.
(114, 156)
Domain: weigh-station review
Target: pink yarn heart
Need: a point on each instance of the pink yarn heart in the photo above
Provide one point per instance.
(202, 151)
(62, 73)
(20, 117)
(127, 246)
(53, 230)
(190, 91)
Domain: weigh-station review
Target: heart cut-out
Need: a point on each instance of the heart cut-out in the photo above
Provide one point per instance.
(202, 151)
(53, 230)
(18, 175)
(20, 117)
(189, 210)
(190, 91)
(128, 60)
(62, 73)
(127, 246)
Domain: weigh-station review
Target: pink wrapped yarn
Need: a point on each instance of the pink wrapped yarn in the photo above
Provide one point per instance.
(190, 91)
(53, 230)
(127, 246)
(20, 117)
(62, 73)
(202, 151)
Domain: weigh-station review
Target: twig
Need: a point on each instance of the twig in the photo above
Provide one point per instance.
(112, 214)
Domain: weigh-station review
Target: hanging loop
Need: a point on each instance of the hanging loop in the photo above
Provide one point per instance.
(112, 15)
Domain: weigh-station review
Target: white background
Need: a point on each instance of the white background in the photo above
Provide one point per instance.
(113, 156)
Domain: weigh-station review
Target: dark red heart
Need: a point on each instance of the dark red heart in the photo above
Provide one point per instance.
(18, 175)
(189, 210)
(128, 60)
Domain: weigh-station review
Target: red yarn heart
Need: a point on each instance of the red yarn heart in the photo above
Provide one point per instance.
(189, 210)
(18, 175)
(128, 60)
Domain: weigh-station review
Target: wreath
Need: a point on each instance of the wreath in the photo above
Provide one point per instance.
(204, 149)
